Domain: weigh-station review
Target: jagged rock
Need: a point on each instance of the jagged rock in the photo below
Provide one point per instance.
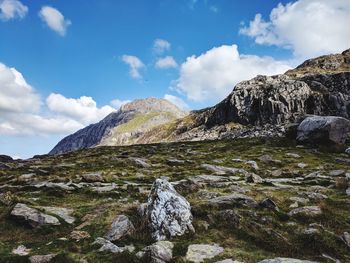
(285, 260)
(253, 164)
(93, 177)
(323, 129)
(5, 158)
(120, 228)
(199, 252)
(42, 258)
(32, 216)
(159, 252)
(234, 199)
(307, 211)
(21, 251)
(254, 178)
(168, 213)
(107, 245)
(64, 213)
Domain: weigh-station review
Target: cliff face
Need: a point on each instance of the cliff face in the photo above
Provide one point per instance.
(121, 127)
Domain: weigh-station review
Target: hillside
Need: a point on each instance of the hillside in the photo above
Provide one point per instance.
(254, 199)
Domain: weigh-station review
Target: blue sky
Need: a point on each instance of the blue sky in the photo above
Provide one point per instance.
(90, 47)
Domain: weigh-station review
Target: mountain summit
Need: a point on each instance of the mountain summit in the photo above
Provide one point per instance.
(122, 127)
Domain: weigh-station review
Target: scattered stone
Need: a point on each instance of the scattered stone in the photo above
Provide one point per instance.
(276, 173)
(308, 211)
(107, 245)
(32, 216)
(175, 162)
(300, 200)
(199, 252)
(268, 203)
(347, 151)
(223, 169)
(159, 252)
(25, 177)
(254, 178)
(293, 155)
(141, 162)
(120, 228)
(316, 196)
(93, 177)
(168, 213)
(64, 213)
(42, 258)
(21, 251)
(335, 173)
(302, 165)
(235, 199)
(204, 194)
(253, 164)
(343, 160)
(268, 159)
(104, 189)
(345, 237)
(79, 235)
(285, 260)
(323, 129)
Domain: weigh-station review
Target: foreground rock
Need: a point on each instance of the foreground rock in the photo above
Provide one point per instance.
(108, 246)
(121, 227)
(32, 216)
(168, 213)
(159, 252)
(323, 129)
(285, 260)
(200, 252)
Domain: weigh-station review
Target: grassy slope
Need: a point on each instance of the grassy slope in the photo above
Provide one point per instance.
(253, 241)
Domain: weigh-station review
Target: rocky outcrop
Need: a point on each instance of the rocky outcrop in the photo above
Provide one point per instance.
(123, 126)
(168, 213)
(323, 129)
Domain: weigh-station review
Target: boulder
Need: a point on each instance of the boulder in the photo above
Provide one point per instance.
(21, 250)
(323, 129)
(234, 199)
(199, 252)
(42, 258)
(32, 216)
(159, 252)
(121, 227)
(64, 213)
(168, 213)
(107, 245)
(93, 177)
(254, 178)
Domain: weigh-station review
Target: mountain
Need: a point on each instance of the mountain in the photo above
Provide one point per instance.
(122, 127)
(262, 106)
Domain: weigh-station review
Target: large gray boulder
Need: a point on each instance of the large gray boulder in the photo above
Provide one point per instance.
(168, 213)
(323, 129)
(159, 252)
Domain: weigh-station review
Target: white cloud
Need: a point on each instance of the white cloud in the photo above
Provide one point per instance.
(214, 9)
(161, 45)
(16, 95)
(308, 27)
(54, 19)
(84, 109)
(166, 62)
(177, 101)
(12, 9)
(135, 65)
(118, 103)
(212, 75)
(23, 113)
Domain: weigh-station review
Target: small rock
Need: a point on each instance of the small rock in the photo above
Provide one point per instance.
(253, 164)
(141, 162)
(79, 235)
(199, 252)
(159, 252)
(308, 211)
(42, 258)
(7, 198)
(293, 155)
(268, 203)
(21, 251)
(235, 199)
(107, 245)
(254, 178)
(268, 159)
(93, 177)
(120, 228)
(302, 165)
(316, 196)
(347, 151)
(32, 216)
(64, 213)
(223, 169)
(285, 260)
(175, 162)
(345, 237)
(276, 173)
(343, 160)
(335, 173)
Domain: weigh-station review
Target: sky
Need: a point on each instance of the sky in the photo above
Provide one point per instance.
(66, 64)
